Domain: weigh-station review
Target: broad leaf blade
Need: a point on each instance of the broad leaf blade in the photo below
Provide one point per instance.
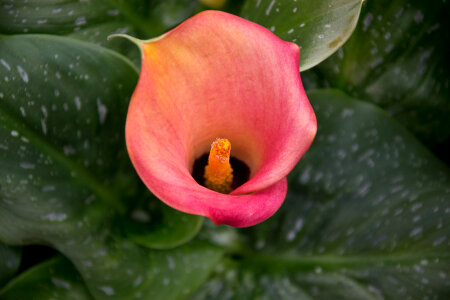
(62, 142)
(94, 21)
(53, 279)
(366, 217)
(155, 225)
(62, 113)
(318, 27)
(398, 59)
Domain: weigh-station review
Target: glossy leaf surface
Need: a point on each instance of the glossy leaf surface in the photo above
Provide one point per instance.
(66, 170)
(367, 217)
(398, 59)
(155, 225)
(318, 27)
(52, 279)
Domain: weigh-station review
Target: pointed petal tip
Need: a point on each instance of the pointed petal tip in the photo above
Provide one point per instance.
(132, 39)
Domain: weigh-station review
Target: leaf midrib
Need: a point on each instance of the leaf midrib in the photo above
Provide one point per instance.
(288, 261)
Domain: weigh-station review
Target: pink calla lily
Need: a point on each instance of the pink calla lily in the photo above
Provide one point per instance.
(218, 75)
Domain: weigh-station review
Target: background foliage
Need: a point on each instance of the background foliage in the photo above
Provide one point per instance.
(367, 212)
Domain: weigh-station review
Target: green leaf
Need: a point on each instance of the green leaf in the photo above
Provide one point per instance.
(117, 269)
(366, 217)
(10, 258)
(158, 226)
(53, 279)
(88, 20)
(398, 59)
(319, 27)
(94, 21)
(65, 168)
(63, 159)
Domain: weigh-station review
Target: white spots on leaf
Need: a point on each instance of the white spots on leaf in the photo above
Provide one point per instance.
(347, 112)
(389, 48)
(166, 281)
(14, 133)
(68, 150)
(61, 283)
(22, 74)
(108, 290)
(364, 190)
(366, 155)
(54, 217)
(398, 212)
(80, 21)
(321, 36)
(295, 230)
(294, 10)
(102, 111)
(416, 219)
(44, 126)
(269, 8)
(367, 21)
(44, 111)
(306, 175)
(137, 281)
(416, 207)
(113, 12)
(22, 111)
(42, 21)
(56, 10)
(5, 64)
(399, 13)
(170, 262)
(140, 215)
(48, 188)
(418, 17)
(439, 241)
(27, 165)
(302, 25)
(377, 61)
(290, 31)
(56, 92)
(416, 231)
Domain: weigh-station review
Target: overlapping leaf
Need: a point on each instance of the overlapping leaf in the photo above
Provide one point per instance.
(94, 21)
(398, 59)
(318, 27)
(53, 279)
(65, 170)
(367, 217)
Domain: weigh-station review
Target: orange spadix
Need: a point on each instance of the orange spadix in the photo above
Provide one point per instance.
(218, 172)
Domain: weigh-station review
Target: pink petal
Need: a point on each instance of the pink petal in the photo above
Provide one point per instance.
(217, 75)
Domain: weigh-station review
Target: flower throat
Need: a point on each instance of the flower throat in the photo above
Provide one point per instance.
(219, 171)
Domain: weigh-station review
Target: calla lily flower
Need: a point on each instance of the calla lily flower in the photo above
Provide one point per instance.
(219, 76)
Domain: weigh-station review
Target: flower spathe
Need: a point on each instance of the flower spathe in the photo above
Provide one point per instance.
(218, 75)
